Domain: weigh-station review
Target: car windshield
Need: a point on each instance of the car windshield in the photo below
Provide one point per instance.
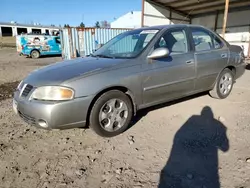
(126, 45)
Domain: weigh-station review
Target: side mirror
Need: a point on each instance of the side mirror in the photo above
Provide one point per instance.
(158, 53)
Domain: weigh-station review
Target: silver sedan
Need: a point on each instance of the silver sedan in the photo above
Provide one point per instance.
(134, 70)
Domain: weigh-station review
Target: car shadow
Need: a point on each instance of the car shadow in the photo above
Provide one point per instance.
(141, 113)
(193, 161)
(47, 56)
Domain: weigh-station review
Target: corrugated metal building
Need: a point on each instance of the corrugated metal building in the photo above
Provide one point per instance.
(78, 42)
(203, 12)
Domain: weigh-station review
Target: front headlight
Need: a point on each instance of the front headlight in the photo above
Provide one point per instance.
(53, 93)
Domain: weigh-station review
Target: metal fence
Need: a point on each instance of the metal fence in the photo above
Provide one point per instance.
(77, 42)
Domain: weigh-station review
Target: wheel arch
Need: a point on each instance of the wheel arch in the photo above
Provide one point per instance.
(35, 50)
(214, 91)
(230, 67)
(119, 88)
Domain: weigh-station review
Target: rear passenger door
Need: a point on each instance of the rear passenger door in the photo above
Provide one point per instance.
(211, 56)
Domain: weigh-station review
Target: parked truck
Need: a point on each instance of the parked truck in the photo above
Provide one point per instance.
(38, 45)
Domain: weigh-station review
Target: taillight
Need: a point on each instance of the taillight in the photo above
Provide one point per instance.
(242, 57)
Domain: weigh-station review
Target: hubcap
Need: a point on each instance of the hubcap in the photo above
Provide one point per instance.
(113, 115)
(35, 54)
(226, 83)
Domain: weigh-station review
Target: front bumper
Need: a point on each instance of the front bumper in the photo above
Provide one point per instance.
(56, 115)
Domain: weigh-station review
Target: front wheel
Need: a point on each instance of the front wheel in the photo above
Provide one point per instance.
(111, 114)
(224, 85)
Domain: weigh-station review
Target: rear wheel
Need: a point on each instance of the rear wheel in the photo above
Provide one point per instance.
(224, 85)
(35, 54)
(111, 114)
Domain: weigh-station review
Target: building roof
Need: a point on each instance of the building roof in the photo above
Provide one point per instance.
(129, 20)
(194, 7)
(28, 25)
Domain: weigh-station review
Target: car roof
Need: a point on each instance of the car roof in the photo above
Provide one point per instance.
(160, 27)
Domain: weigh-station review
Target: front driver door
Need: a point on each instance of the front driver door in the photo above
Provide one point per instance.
(173, 76)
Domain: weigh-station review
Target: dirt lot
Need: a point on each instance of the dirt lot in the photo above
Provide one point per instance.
(7, 41)
(14, 67)
(199, 142)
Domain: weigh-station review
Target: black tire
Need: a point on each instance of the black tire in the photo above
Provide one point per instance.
(35, 54)
(215, 92)
(98, 105)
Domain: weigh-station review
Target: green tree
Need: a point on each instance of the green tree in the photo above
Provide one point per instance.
(82, 25)
(97, 24)
(66, 26)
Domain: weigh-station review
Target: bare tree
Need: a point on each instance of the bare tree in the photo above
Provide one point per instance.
(105, 24)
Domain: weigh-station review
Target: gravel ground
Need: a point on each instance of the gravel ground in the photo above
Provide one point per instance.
(198, 142)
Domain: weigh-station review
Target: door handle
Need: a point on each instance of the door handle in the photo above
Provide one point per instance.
(190, 61)
(223, 55)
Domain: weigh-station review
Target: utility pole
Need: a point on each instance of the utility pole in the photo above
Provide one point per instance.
(225, 18)
(142, 13)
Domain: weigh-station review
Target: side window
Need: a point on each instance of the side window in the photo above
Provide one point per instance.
(202, 40)
(217, 42)
(58, 41)
(175, 41)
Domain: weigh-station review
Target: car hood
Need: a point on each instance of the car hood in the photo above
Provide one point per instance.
(60, 72)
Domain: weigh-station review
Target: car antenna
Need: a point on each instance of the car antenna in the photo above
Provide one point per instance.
(198, 1)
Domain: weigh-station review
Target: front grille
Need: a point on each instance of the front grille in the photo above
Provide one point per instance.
(26, 90)
(27, 119)
(20, 86)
